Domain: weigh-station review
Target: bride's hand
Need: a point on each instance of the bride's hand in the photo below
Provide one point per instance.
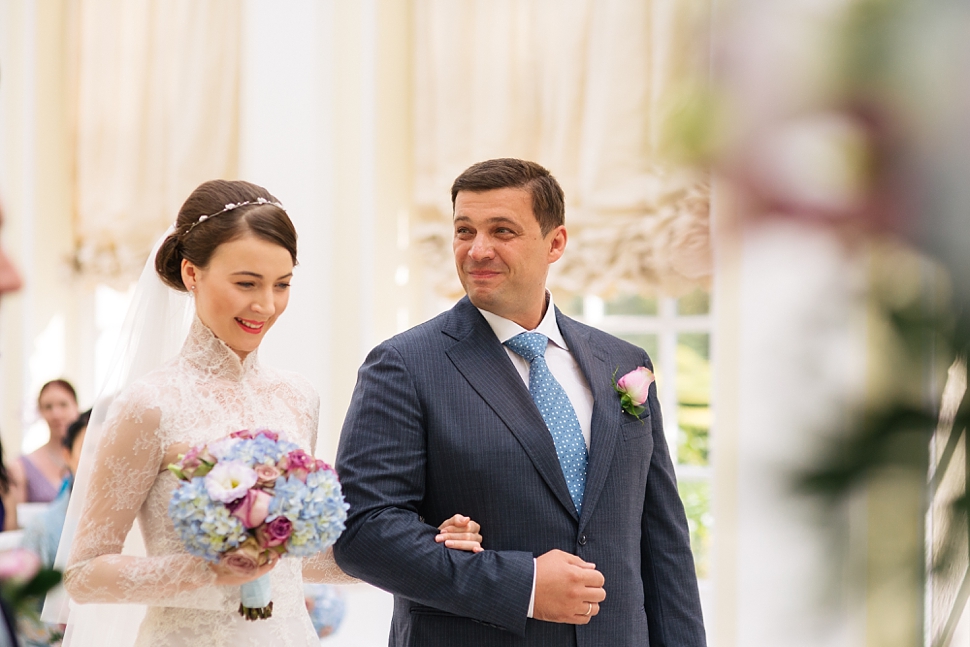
(227, 575)
(460, 533)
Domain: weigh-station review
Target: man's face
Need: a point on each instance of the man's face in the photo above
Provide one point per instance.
(9, 277)
(501, 255)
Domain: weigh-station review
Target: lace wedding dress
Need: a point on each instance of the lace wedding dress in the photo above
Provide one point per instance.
(201, 395)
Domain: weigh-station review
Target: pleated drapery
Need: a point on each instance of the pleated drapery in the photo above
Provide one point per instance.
(582, 87)
(156, 86)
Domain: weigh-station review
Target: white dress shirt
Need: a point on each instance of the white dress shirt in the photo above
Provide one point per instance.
(560, 361)
(563, 367)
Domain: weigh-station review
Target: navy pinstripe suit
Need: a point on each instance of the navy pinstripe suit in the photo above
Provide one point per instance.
(440, 422)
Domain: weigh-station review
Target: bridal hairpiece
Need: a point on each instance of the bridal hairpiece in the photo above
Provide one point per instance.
(230, 207)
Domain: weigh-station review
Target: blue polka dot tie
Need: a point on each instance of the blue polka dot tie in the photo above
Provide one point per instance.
(557, 412)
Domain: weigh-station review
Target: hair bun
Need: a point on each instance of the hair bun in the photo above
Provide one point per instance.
(168, 263)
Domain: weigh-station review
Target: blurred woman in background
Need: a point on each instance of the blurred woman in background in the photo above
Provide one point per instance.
(37, 477)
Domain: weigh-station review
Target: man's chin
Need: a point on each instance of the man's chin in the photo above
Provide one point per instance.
(482, 299)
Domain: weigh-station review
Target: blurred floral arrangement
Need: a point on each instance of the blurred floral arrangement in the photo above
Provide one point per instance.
(23, 584)
(854, 115)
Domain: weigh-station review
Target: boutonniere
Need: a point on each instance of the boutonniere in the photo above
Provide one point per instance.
(633, 388)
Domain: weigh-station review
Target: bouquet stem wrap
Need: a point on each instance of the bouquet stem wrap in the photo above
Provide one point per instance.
(254, 599)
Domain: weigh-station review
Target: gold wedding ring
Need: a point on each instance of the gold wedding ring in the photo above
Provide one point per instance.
(589, 610)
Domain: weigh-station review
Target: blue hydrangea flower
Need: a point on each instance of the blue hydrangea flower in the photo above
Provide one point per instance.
(206, 527)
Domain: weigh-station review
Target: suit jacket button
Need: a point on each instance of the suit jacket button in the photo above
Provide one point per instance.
(582, 540)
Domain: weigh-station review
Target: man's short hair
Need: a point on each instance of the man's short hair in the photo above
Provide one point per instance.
(548, 205)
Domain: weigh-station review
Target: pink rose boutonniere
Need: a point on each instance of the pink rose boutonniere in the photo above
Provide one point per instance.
(633, 389)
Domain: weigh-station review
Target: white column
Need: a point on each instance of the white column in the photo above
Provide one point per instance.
(795, 343)
(325, 127)
(286, 146)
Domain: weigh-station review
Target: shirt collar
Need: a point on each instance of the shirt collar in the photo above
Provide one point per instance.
(506, 329)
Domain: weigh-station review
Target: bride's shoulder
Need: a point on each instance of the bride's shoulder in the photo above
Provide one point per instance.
(146, 393)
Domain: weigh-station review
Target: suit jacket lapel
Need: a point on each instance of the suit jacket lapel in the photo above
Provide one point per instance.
(482, 360)
(605, 424)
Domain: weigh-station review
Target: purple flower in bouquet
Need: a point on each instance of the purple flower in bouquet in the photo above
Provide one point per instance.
(274, 533)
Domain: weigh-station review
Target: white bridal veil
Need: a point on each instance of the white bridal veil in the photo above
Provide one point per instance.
(155, 327)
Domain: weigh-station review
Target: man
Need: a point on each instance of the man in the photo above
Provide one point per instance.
(585, 536)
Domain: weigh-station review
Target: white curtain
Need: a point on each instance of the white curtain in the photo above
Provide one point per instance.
(155, 84)
(581, 87)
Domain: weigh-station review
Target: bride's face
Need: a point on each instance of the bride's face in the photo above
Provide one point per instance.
(245, 287)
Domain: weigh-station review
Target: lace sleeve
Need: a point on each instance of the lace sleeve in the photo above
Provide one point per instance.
(320, 567)
(127, 462)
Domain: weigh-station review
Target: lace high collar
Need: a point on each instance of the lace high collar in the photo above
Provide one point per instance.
(206, 352)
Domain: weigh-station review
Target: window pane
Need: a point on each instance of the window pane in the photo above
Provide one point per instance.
(697, 302)
(693, 398)
(646, 342)
(572, 307)
(696, 496)
(632, 305)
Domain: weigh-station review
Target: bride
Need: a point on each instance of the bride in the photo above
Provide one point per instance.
(233, 249)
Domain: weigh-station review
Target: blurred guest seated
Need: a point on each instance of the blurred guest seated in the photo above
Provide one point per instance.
(37, 477)
(43, 534)
(4, 489)
(10, 282)
(326, 606)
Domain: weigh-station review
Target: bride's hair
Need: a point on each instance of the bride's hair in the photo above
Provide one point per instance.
(212, 215)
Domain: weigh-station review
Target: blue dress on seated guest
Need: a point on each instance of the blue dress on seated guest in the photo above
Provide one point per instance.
(41, 537)
(44, 533)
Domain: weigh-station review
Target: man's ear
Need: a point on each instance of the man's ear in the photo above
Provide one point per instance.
(557, 243)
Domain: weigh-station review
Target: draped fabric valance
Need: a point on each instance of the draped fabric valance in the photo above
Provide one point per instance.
(156, 86)
(580, 86)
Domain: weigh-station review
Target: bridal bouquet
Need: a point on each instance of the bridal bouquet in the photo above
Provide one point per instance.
(249, 497)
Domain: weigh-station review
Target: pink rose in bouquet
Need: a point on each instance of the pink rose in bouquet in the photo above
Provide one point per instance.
(245, 559)
(266, 475)
(252, 508)
(247, 434)
(196, 462)
(299, 464)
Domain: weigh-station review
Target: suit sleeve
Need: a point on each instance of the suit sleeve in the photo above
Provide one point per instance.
(381, 461)
(671, 598)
